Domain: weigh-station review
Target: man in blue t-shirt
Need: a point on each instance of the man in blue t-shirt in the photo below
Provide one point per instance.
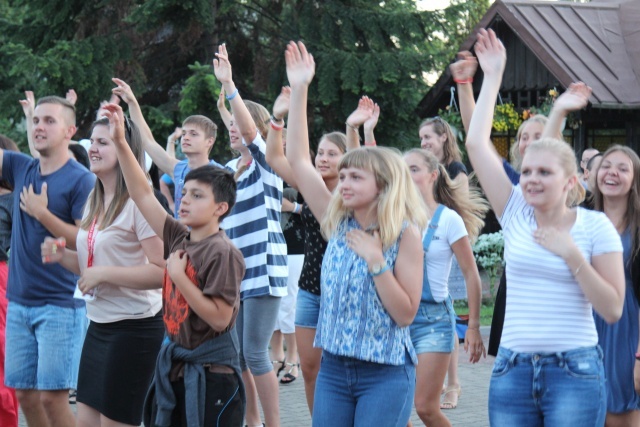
(45, 324)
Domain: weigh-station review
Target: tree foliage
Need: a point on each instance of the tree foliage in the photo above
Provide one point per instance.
(164, 48)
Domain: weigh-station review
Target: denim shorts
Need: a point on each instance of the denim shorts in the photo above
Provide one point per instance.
(43, 346)
(548, 389)
(307, 309)
(432, 331)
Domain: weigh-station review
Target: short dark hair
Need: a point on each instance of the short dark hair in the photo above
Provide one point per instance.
(590, 162)
(222, 183)
(80, 154)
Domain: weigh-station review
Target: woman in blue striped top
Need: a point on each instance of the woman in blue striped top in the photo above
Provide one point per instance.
(371, 272)
(254, 227)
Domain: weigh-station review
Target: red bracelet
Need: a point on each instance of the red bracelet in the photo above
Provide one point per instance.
(276, 126)
(370, 143)
(462, 82)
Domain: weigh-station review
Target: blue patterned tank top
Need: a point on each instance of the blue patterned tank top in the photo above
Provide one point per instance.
(353, 322)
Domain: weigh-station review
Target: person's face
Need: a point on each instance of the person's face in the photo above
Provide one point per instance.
(51, 130)
(532, 131)
(235, 138)
(327, 159)
(615, 175)
(194, 140)
(198, 205)
(430, 140)
(586, 156)
(102, 152)
(543, 180)
(358, 188)
(421, 175)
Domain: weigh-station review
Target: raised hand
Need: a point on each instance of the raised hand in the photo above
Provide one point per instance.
(300, 64)
(575, 98)
(491, 53)
(123, 90)
(221, 104)
(71, 96)
(464, 68)
(281, 105)
(28, 104)
(116, 123)
(222, 66)
(371, 123)
(52, 250)
(362, 113)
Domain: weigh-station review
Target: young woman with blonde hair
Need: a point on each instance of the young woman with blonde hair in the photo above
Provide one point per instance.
(371, 272)
(561, 263)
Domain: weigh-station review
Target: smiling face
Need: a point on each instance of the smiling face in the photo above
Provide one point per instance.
(327, 159)
(430, 140)
(532, 131)
(615, 175)
(102, 152)
(358, 188)
(543, 181)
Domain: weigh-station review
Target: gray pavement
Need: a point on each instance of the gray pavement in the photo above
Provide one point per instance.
(471, 410)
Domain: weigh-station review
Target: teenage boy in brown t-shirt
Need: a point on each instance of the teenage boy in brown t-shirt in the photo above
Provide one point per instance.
(198, 373)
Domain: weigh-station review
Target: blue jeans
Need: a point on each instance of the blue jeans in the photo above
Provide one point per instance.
(43, 346)
(432, 331)
(351, 392)
(548, 389)
(307, 309)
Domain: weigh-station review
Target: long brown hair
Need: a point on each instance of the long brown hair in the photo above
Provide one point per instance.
(95, 201)
(450, 150)
(631, 218)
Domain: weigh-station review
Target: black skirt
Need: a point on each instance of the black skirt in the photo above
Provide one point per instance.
(117, 364)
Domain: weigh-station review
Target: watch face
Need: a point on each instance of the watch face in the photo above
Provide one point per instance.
(376, 269)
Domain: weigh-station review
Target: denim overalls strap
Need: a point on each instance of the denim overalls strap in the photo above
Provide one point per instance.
(426, 242)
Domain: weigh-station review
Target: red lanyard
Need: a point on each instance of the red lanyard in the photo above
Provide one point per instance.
(91, 242)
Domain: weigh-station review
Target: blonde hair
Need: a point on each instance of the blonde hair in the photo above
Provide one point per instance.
(398, 200)
(632, 215)
(567, 158)
(450, 150)
(469, 204)
(516, 159)
(260, 116)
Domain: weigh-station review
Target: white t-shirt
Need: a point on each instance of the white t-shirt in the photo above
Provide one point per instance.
(546, 309)
(450, 230)
(119, 245)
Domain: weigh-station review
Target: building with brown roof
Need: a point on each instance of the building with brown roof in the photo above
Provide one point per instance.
(551, 44)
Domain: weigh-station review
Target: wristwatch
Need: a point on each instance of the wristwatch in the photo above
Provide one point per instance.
(378, 268)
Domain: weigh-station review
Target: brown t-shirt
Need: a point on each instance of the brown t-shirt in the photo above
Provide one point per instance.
(216, 266)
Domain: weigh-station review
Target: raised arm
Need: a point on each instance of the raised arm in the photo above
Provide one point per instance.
(139, 189)
(360, 115)
(242, 117)
(275, 151)
(300, 70)
(484, 158)
(370, 125)
(28, 105)
(463, 71)
(225, 115)
(575, 98)
(159, 156)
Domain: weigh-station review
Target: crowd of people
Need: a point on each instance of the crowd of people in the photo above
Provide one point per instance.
(188, 303)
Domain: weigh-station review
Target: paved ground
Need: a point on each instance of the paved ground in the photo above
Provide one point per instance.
(471, 410)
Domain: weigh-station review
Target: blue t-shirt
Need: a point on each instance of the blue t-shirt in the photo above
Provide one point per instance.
(31, 282)
(181, 170)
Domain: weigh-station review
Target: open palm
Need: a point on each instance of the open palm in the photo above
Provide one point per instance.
(300, 64)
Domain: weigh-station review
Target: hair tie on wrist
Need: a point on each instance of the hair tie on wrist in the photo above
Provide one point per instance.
(463, 81)
(233, 95)
(275, 125)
